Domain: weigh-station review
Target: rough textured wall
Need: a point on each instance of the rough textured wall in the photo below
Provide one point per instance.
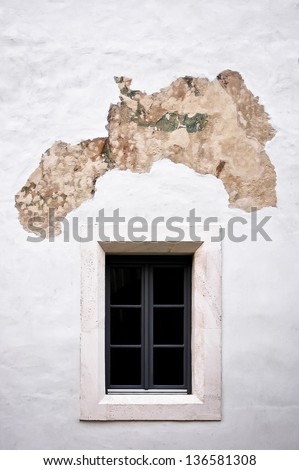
(64, 179)
(58, 59)
(214, 127)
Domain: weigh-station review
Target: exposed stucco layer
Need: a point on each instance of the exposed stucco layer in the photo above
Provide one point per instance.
(214, 127)
(64, 179)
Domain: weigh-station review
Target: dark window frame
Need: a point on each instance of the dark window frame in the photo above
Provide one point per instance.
(147, 263)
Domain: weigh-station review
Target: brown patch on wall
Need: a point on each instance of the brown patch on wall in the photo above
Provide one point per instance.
(251, 114)
(64, 179)
(215, 127)
(227, 141)
(219, 168)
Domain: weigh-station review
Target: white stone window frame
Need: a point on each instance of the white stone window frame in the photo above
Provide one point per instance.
(204, 402)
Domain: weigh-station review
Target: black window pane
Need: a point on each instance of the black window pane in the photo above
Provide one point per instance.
(125, 366)
(125, 325)
(168, 285)
(168, 325)
(169, 366)
(125, 285)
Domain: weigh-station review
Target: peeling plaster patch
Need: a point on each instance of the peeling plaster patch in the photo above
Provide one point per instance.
(214, 127)
(223, 130)
(64, 179)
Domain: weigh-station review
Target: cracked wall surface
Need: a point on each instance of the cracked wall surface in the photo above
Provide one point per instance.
(214, 127)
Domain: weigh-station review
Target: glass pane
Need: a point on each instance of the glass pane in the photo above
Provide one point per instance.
(125, 325)
(169, 285)
(168, 325)
(125, 366)
(125, 285)
(168, 366)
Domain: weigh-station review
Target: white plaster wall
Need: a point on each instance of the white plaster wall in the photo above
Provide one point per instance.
(57, 62)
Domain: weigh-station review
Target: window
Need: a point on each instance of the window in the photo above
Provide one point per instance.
(148, 324)
(203, 400)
